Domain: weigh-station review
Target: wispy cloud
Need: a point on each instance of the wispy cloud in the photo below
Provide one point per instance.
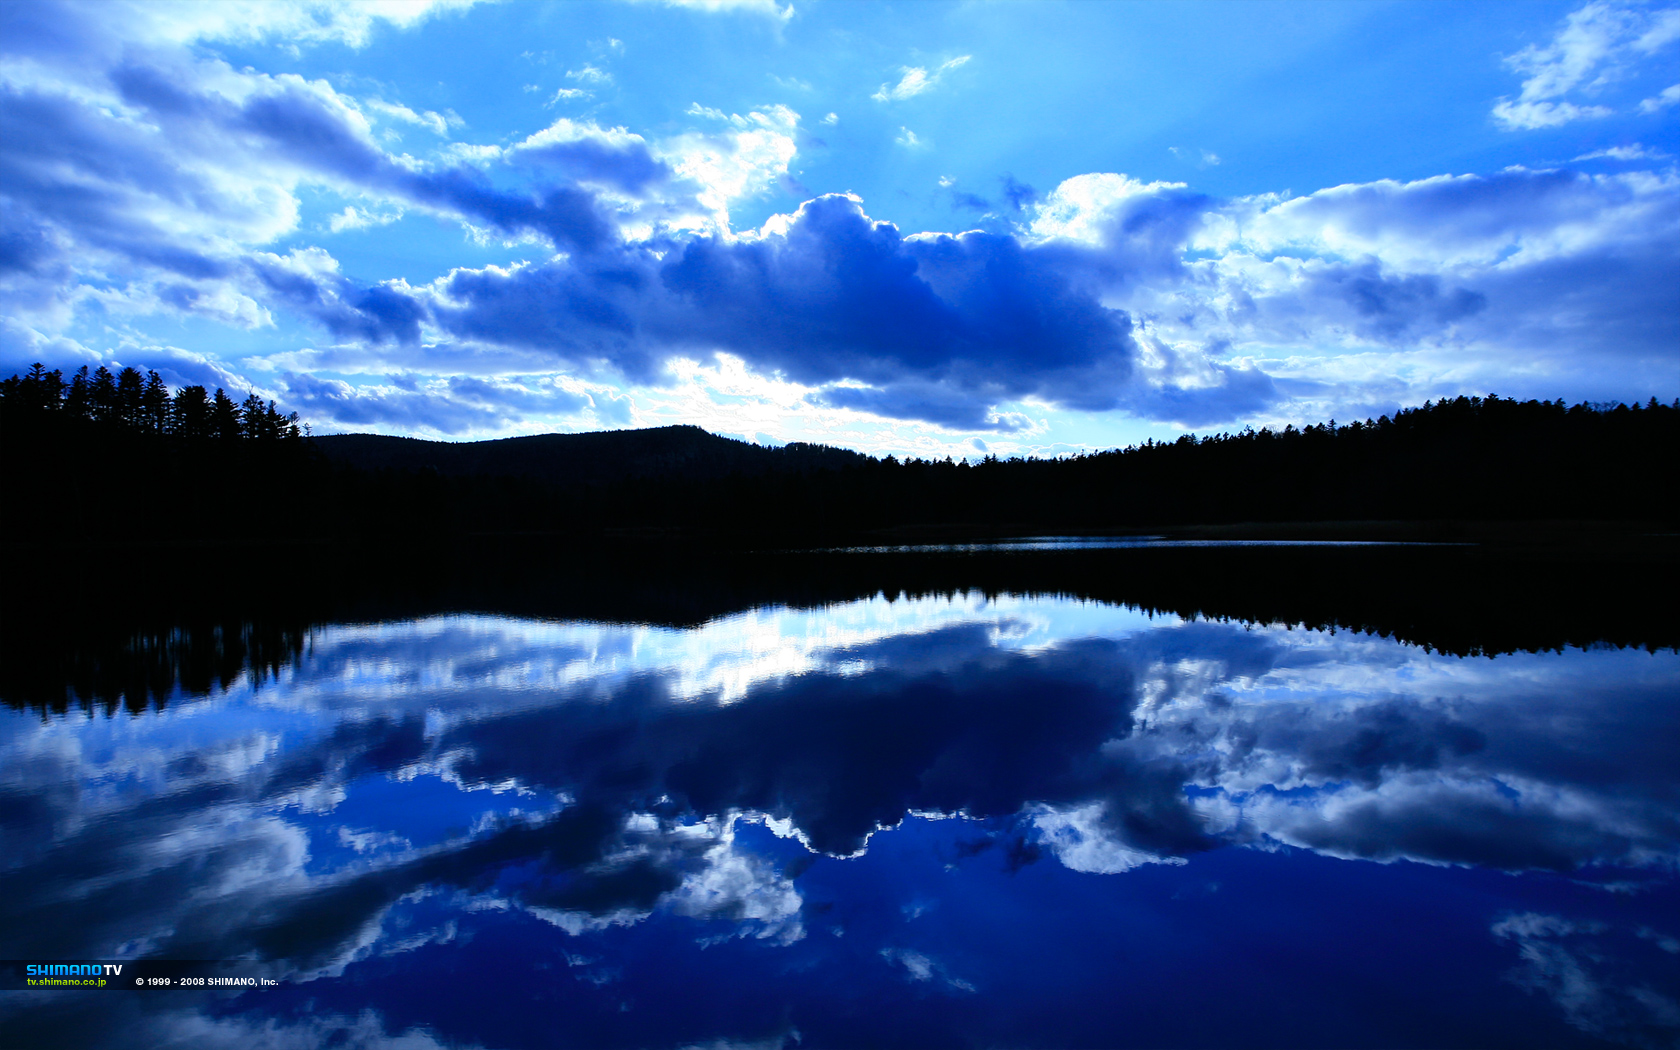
(589, 74)
(1625, 153)
(1598, 45)
(1669, 96)
(916, 80)
(765, 8)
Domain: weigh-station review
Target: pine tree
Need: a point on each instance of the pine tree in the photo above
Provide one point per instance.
(155, 404)
(224, 417)
(131, 392)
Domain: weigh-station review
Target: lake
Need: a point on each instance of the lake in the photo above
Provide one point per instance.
(1022, 812)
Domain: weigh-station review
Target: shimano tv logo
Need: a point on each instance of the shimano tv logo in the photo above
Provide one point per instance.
(73, 970)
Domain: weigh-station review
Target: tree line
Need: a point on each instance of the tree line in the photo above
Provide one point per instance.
(104, 456)
(144, 403)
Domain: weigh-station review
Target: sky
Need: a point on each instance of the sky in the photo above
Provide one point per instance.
(931, 229)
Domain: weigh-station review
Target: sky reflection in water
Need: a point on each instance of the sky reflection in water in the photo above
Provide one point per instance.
(474, 830)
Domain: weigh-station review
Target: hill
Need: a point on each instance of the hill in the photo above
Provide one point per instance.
(592, 459)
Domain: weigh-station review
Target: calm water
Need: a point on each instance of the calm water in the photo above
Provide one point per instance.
(947, 821)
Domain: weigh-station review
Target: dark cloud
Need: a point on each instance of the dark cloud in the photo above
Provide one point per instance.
(1018, 194)
(943, 326)
(928, 402)
(1390, 306)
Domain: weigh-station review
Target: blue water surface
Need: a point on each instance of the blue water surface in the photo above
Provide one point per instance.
(945, 821)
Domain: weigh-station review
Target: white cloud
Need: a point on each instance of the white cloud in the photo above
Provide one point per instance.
(907, 138)
(1527, 116)
(832, 118)
(352, 218)
(437, 123)
(743, 161)
(589, 74)
(1598, 45)
(923, 969)
(767, 8)
(916, 80)
(293, 21)
(1081, 841)
(1669, 96)
(1625, 153)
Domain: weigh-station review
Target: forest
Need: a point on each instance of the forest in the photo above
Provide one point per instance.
(121, 457)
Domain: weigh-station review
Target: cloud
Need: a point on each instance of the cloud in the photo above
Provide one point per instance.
(908, 139)
(589, 74)
(831, 119)
(614, 766)
(159, 181)
(353, 218)
(437, 123)
(569, 94)
(1669, 96)
(447, 405)
(1631, 153)
(916, 80)
(765, 8)
(296, 22)
(1583, 969)
(1596, 46)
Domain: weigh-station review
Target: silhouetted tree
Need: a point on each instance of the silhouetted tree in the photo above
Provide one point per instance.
(224, 417)
(131, 390)
(78, 401)
(104, 395)
(190, 414)
(155, 404)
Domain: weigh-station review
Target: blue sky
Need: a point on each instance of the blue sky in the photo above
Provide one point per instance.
(931, 229)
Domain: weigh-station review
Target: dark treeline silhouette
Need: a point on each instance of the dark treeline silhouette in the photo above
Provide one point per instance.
(140, 404)
(84, 634)
(120, 456)
(102, 457)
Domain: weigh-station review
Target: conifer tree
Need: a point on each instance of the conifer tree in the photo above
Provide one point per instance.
(131, 390)
(104, 395)
(224, 417)
(190, 413)
(155, 404)
(78, 402)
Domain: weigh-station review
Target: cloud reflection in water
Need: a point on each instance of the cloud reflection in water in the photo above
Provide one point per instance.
(407, 780)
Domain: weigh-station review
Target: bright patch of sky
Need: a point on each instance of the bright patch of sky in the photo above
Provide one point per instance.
(928, 229)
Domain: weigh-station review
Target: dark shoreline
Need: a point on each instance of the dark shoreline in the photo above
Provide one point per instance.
(79, 628)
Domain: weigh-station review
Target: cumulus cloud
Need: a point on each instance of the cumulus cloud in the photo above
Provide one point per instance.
(917, 79)
(1593, 49)
(157, 181)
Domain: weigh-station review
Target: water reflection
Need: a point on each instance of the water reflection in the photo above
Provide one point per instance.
(926, 822)
(1090, 543)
